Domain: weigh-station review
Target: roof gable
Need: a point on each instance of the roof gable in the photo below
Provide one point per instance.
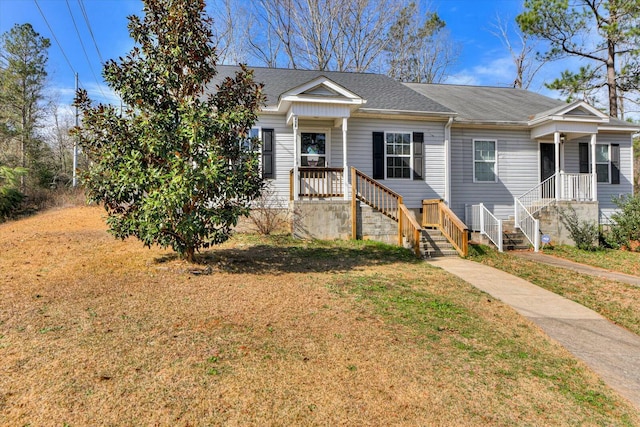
(381, 93)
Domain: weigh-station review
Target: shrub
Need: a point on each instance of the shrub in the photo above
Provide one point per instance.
(267, 214)
(625, 230)
(10, 196)
(584, 233)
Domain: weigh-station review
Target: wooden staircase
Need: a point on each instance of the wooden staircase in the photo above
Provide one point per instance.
(434, 244)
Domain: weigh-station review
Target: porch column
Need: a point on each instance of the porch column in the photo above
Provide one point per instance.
(556, 142)
(296, 178)
(594, 176)
(345, 174)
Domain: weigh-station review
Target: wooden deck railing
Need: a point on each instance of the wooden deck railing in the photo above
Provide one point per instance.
(375, 194)
(318, 182)
(438, 215)
(409, 229)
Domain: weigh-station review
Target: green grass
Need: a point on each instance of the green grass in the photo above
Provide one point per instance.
(610, 259)
(458, 328)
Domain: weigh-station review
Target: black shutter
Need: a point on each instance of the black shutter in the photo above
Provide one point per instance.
(615, 163)
(418, 162)
(583, 149)
(378, 155)
(267, 153)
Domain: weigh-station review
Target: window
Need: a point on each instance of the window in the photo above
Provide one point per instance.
(251, 144)
(313, 149)
(607, 162)
(398, 155)
(602, 162)
(484, 161)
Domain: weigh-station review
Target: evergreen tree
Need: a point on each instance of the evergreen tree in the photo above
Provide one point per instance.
(606, 34)
(23, 60)
(174, 170)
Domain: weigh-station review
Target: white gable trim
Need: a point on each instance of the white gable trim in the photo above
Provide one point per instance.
(564, 115)
(337, 95)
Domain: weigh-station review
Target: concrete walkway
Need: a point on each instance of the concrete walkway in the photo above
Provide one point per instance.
(580, 268)
(611, 351)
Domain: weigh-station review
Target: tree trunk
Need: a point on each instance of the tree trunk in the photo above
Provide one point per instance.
(190, 255)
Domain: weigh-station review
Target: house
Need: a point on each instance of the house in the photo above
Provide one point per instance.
(481, 155)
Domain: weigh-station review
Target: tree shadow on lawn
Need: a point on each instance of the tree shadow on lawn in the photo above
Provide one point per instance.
(268, 259)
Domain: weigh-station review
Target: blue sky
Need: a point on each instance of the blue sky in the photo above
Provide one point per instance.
(483, 59)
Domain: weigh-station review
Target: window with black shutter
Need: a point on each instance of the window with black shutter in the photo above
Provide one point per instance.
(418, 159)
(268, 151)
(378, 155)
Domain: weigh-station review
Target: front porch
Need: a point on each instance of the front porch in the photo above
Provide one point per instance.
(369, 211)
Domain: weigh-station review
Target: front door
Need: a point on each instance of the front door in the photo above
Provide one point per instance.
(313, 149)
(547, 167)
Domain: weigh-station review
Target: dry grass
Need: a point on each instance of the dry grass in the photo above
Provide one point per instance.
(95, 331)
(618, 302)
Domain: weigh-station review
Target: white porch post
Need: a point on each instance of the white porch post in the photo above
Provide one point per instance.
(556, 142)
(296, 178)
(594, 176)
(345, 172)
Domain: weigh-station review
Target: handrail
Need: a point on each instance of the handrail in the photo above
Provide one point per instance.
(490, 226)
(526, 222)
(376, 195)
(436, 214)
(388, 202)
(409, 229)
(540, 196)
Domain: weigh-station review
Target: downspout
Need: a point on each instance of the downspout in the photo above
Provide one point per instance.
(447, 161)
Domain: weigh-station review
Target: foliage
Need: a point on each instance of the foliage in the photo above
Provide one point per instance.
(605, 34)
(414, 52)
(583, 233)
(23, 59)
(10, 196)
(173, 169)
(625, 230)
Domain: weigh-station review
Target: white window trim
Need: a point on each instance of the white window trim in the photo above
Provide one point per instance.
(473, 160)
(327, 154)
(410, 155)
(608, 145)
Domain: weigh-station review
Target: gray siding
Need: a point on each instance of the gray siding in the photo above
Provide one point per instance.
(517, 168)
(606, 192)
(360, 153)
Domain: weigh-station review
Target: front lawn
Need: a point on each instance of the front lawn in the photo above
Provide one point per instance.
(267, 331)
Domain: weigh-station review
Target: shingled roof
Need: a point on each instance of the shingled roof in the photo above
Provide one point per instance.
(380, 91)
(483, 104)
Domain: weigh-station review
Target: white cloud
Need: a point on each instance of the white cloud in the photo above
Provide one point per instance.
(497, 72)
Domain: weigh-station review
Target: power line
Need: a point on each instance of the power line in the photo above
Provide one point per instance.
(86, 20)
(85, 51)
(55, 38)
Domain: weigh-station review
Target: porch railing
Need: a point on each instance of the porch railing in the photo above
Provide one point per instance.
(576, 186)
(318, 182)
(483, 221)
(409, 230)
(526, 222)
(539, 196)
(438, 215)
(375, 194)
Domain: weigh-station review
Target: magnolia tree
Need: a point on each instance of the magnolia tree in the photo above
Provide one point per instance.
(176, 168)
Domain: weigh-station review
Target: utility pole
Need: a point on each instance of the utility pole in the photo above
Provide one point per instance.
(75, 146)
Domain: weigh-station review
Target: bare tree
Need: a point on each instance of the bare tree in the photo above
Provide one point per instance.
(522, 51)
(342, 35)
(417, 48)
